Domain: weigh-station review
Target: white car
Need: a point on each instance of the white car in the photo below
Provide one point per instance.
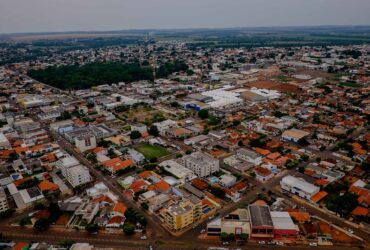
(312, 244)
(262, 242)
(143, 237)
(350, 231)
(279, 243)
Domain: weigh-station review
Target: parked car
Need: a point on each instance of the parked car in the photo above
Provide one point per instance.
(312, 244)
(262, 242)
(143, 237)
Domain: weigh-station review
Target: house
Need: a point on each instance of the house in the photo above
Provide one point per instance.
(249, 156)
(116, 164)
(263, 174)
(165, 125)
(118, 209)
(26, 197)
(299, 187)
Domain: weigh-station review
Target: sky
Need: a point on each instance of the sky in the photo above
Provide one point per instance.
(103, 15)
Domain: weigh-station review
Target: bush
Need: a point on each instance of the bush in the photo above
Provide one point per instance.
(128, 229)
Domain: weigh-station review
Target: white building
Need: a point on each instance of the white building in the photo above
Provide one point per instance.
(26, 197)
(184, 174)
(165, 125)
(299, 187)
(3, 201)
(84, 143)
(294, 135)
(4, 142)
(201, 164)
(249, 156)
(78, 175)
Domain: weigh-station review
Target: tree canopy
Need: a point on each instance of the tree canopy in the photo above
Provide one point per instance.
(89, 75)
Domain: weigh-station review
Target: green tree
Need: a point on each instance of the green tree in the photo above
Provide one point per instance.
(129, 229)
(135, 135)
(153, 130)
(92, 228)
(203, 114)
(41, 224)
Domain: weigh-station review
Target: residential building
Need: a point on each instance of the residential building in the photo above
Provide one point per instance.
(78, 175)
(182, 213)
(201, 163)
(84, 143)
(3, 200)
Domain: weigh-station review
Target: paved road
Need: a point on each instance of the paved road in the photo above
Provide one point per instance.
(122, 242)
(152, 222)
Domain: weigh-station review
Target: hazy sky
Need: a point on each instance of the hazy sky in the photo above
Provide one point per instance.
(72, 15)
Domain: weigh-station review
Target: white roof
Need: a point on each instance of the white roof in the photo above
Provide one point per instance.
(300, 184)
(282, 220)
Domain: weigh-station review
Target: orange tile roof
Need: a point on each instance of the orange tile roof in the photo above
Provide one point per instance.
(262, 151)
(162, 186)
(20, 149)
(300, 216)
(119, 207)
(319, 196)
(117, 164)
(360, 211)
(46, 185)
(103, 198)
(273, 156)
(262, 171)
(116, 220)
(240, 186)
(260, 203)
(321, 182)
(199, 184)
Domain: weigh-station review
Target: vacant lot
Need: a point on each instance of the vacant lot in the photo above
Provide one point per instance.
(151, 151)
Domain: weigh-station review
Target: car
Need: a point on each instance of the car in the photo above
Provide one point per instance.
(143, 237)
(202, 231)
(151, 247)
(312, 244)
(279, 243)
(225, 243)
(262, 242)
(350, 231)
(271, 243)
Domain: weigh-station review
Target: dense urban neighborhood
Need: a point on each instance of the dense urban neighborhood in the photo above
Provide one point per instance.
(174, 145)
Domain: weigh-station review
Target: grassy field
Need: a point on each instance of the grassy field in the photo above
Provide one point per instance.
(151, 151)
(350, 84)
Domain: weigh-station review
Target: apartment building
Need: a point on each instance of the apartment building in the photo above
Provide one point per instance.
(78, 175)
(3, 201)
(182, 214)
(201, 164)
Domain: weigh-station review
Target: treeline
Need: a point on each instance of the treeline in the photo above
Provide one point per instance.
(86, 76)
(171, 67)
(89, 75)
